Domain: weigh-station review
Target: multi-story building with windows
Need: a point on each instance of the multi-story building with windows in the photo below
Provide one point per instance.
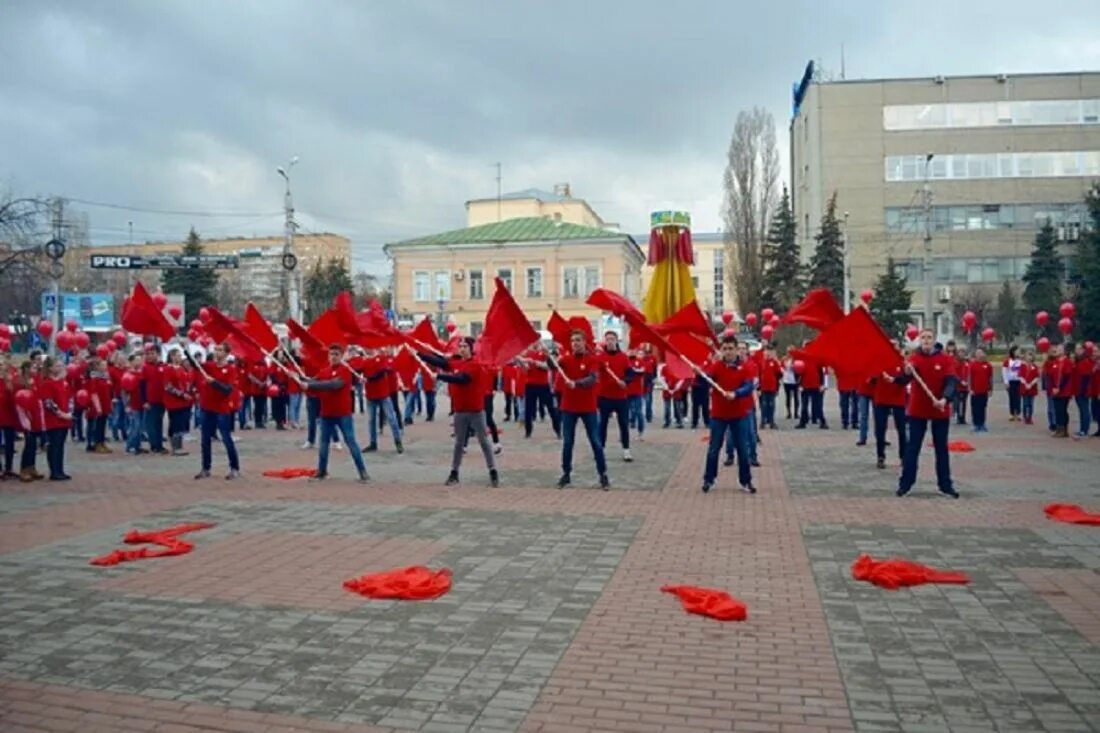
(976, 163)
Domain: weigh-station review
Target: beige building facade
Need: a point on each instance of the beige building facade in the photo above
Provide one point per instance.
(557, 205)
(980, 162)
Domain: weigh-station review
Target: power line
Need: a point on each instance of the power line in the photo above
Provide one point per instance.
(171, 212)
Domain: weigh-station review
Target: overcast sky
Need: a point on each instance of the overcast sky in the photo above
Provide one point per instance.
(400, 110)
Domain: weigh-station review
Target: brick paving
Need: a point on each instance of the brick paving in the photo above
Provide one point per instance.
(556, 621)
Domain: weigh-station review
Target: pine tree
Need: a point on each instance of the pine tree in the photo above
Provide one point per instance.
(1088, 270)
(1045, 272)
(827, 263)
(1006, 317)
(198, 287)
(782, 259)
(892, 300)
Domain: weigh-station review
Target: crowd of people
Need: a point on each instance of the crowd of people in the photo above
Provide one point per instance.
(147, 399)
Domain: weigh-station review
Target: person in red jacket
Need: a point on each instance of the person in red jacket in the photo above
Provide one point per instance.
(981, 385)
(611, 389)
(508, 386)
(889, 400)
(650, 379)
(116, 368)
(771, 375)
(730, 410)
(1079, 388)
(333, 385)
(98, 386)
(152, 386)
(1061, 382)
(216, 400)
(962, 387)
(578, 372)
(537, 396)
(9, 420)
(177, 400)
(467, 380)
(76, 374)
(58, 420)
(1094, 390)
(258, 373)
(376, 369)
(675, 397)
(812, 385)
(1029, 386)
(31, 418)
(635, 391)
(934, 378)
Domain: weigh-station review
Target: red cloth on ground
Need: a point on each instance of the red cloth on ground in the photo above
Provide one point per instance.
(291, 473)
(415, 583)
(166, 538)
(1071, 513)
(710, 602)
(897, 573)
(958, 446)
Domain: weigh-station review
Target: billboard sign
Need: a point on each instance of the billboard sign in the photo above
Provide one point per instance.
(93, 311)
(165, 262)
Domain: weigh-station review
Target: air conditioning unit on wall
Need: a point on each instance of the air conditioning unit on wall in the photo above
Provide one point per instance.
(460, 274)
(944, 294)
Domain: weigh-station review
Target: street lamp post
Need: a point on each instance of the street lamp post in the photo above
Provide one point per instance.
(289, 261)
(441, 326)
(847, 264)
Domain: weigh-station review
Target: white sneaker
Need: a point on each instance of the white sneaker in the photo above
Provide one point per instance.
(338, 446)
(306, 445)
(498, 448)
(627, 457)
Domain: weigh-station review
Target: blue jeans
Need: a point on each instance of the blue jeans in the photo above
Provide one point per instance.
(212, 423)
(864, 410)
(1028, 404)
(154, 427)
(737, 431)
(429, 403)
(386, 405)
(767, 408)
(346, 426)
(882, 418)
(119, 428)
(410, 405)
(620, 408)
(917, 428)
(847, 408)
(569, 434)
(649, 400)
(245, 412)
(295, 407)
(136, 426)
(1086, 415)
(978, 405)
(1052, 421)
(637, 413)
(812, 407)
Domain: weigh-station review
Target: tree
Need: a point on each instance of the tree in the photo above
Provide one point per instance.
(1044, 275)
(198, 287)
(892, 300)
(1087, 264)
(976, 299)
(324, 284)
(1006, 316)
(827, 263)
(367, 289)
(24, 229)
(752, 171)
(782, 259)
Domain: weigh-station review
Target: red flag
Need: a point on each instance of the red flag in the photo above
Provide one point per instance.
(711, 602)
(688, 319)
(817, 310)
(896, 573)
(222, 329)
(140, 315)
(609, 300)
(406, 366)
(691, 346)
(326, 329)
(425, 334)
(855, 345)
(507, 331)
(1072, 514)
(343, 308)
(257, 327)
(677, 368)
(313, 351)
(415, 583)
(376, 329)
(562, 329)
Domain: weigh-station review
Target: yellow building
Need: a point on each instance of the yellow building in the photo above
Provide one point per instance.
(558, 205)
(547, 264)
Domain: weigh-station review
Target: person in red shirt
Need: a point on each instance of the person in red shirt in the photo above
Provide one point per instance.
(1079, 388)
(134, 399)
(981, 384)
(376, 369)
(333, 385)
(216, 400)
(58, 420)
(152, 386)
(31, 418)
(771, 374)
(467, 380)
(508, 386)
(934, 378)
(730, 410)
(637, 371)
(611, 386)
(9, 420)
(294, 396)
(1061, 382)
(1094, 390)
(812, 383)
(537, 394)
(76, 374)
(98, 386)
(846, 387)
(650, 362)
(962, 387)
(177, 400)
(675, 397)
(258, 374)
(116, 368)
(889, 400)
(1029, 386)
(578, 374)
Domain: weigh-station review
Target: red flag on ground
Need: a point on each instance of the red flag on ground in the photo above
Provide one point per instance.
(290, 473)
(710, 602)
(818, 310)
(416, 583)
(507, 330)
(223, 329)
(166, 538)
(257, 327)
(425, 334)
(855, 345)
(1072, 514)
(140, 315)
(897, 573)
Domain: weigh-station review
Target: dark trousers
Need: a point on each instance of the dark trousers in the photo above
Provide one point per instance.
(30, 450)
(78, 424)
(154, 427)
(767, 408)
(812, 407)
(490, 423)
(259, 410)
(279, 409)
(55, 451)
(1061, 412)
(882, 418)
(1084, 412)
(511, 409)
(849, 409)
(179, 421)
(9, 448)
(538, 397)
(569, 422)
(1095, 406)
(622, 413)
(978, 405)
(313, 412)
(1013, 399)
(213, 423)
(917, 428)
(739, 429)
(429, 403)
(790, 392)
(97, 431)
(700, 405)
(958, 404)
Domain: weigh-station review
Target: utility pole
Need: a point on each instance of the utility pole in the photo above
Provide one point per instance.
(500, 194)
(292, 298)
(847, 268)
(58, 230)
(926, 204)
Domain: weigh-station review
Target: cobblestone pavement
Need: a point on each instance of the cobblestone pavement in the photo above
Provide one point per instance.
(556, 621)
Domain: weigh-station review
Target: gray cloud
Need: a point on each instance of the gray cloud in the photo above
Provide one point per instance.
(399, 110)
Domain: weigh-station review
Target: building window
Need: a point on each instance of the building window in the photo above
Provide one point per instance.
(534, 282)
(505, 274)
(719, 280)
(536, 324)
(990, 114)
(988, 217)
(476, 285)
(591, 280)
(442, 285)
(569, 285)
(964, 166)
(476, 327)
(422, 286)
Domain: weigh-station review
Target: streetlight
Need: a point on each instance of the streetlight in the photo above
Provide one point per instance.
(847, 264)
(289, 261)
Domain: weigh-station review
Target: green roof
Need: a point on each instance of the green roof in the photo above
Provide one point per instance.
(532, 229)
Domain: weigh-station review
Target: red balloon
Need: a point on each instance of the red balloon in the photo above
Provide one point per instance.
(111, 346)
(175, 311)
(119, 338)
(65, 340)
(206, 341)
(799, 366)
(72, 326)
(969, 321)
(750, 320)
(129, 381)
(1089, 347)
(1066, 325)
(24, 398)
(1042, 318)
(82, 339)
(102, 351)
(273, 390)
(988, 334)
(867, 296)
(5, 345)
(5, 330)
(204, 315)
(911, 332)
(766, 314)
(160, 300)
(193, 335)
(45, 329)
(195, 325)
(728, 333)
(1067, 310)
(775, 321)
(82, 398)
(727, 316)
(1043, 345)
(452, 327)
(766, 332)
